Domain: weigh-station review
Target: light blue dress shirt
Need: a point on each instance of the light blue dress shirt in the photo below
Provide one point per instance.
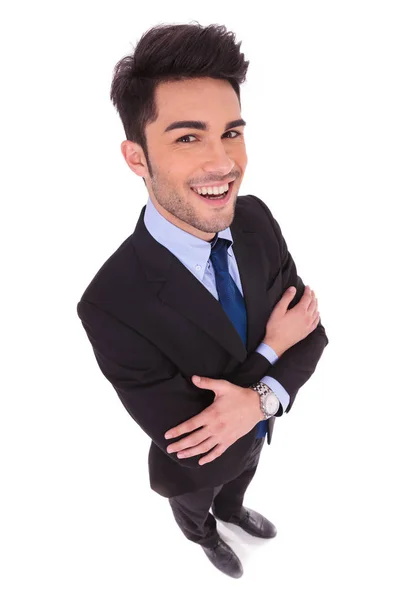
(194, 253)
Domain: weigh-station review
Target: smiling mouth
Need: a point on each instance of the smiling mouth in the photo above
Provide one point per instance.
(213, 196)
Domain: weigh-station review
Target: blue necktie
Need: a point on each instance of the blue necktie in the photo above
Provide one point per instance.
(230, 298)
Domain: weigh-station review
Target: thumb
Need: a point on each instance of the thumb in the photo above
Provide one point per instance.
(290, 292)
(209, 384)
(288, 296)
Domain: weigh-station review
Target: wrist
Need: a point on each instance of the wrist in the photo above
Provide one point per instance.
(256, 404)
(276, 347)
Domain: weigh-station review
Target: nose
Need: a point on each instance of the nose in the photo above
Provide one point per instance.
(217, 160)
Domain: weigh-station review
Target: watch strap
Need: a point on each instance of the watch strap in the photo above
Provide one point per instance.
(263, 391)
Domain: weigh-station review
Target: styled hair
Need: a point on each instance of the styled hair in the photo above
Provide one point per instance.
(171, 53)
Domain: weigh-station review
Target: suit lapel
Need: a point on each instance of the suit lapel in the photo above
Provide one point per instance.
(184, 293)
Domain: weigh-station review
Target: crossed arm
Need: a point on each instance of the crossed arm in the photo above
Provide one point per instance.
(224, 422)
(158, 396)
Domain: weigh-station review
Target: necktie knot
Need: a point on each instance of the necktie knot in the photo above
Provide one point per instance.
(219, 254)
(218, 243)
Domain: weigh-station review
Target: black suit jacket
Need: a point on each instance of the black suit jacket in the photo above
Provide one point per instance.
(153, 325)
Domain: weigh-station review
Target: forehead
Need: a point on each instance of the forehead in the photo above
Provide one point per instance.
(200, 98)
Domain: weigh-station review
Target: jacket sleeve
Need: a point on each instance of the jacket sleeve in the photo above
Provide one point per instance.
(155, 394)
(299, 362)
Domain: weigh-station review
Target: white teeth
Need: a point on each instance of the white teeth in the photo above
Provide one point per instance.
(212, 190)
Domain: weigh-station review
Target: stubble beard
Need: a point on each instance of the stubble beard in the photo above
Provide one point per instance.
(183, 209)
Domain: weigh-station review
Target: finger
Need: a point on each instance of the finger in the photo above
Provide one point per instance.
(316, 321)
(189, 441)
(218, 450)
(286, 299)
(199, 449)
(218, 386)
(312, 307)
(310, 301)
(187, 426)
(307, 297)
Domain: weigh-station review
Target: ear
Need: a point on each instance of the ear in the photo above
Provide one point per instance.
(135, 158)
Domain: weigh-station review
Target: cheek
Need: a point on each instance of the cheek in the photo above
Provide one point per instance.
(178, 168)
(241, 157)
(174, 176)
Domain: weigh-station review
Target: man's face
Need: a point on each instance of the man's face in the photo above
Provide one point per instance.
(187, 157)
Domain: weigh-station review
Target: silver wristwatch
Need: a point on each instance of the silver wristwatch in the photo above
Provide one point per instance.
(269, 402)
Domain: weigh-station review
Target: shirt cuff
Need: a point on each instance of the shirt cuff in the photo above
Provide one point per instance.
(267, 352)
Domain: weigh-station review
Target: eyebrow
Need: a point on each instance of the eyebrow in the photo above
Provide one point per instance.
(201, 125)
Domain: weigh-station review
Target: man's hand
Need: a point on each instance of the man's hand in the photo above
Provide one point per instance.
(288, 327)
(234, 412)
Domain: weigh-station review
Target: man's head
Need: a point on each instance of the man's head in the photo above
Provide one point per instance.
(181, 73)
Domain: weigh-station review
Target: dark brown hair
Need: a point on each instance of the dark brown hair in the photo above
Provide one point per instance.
(171, 53)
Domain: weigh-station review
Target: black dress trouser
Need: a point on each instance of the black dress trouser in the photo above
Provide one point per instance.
(191, 510)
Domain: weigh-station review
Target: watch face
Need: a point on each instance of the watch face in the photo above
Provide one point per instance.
(272, 403)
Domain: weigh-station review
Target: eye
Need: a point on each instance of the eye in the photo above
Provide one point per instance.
(184, 138)
(190, 135)
(232, 131)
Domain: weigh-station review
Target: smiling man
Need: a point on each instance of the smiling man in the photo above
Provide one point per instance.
(204, 286)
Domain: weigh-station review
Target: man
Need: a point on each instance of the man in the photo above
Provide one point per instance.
(205, 286)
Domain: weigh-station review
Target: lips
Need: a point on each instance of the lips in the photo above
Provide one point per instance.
(211, 185)
(221, 201)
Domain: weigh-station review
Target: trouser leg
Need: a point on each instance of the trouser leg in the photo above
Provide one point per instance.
(229, 500)
(191, 512)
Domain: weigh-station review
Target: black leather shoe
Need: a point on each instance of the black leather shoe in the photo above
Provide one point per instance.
(252, 522)
(223, 557)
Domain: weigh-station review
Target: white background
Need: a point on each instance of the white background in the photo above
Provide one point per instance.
(321, 102)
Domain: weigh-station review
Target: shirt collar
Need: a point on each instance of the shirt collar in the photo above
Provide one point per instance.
(192, 251)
